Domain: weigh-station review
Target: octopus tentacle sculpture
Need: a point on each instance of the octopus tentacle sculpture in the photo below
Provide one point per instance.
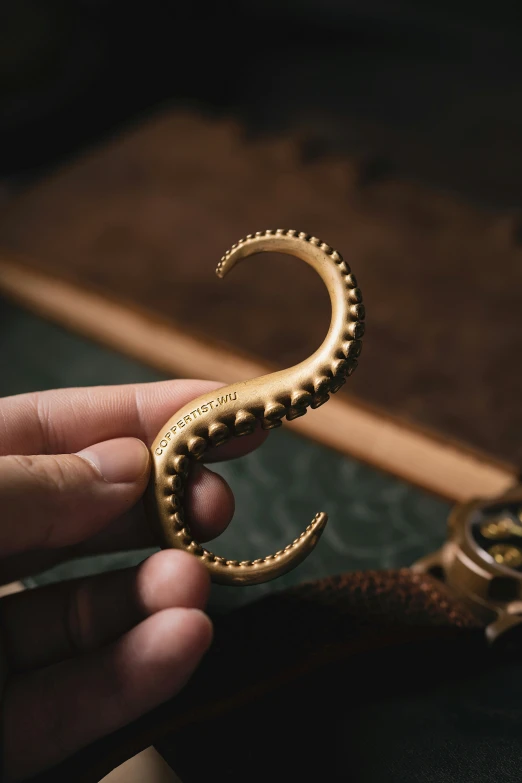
(237, 409)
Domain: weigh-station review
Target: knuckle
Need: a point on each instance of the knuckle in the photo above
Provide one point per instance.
(54, 473)
(47, 471)
(59, 473)
(24, 463)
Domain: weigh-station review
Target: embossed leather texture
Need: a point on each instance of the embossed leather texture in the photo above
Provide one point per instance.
(310, 727)
(387, 680)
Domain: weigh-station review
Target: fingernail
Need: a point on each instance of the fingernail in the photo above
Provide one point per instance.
(120, 461)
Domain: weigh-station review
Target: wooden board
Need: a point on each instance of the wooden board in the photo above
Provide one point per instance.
(132, 232)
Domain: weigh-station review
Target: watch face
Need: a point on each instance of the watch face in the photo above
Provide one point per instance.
(496, 530)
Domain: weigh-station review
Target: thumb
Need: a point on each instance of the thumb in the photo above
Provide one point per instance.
(51, 501)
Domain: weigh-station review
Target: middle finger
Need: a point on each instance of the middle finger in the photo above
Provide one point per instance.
(209, 508)
(48, 624)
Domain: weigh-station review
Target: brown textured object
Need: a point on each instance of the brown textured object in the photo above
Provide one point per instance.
(143, 219)
(261, 648)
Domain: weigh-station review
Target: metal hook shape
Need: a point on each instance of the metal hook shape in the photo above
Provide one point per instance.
(237, 409)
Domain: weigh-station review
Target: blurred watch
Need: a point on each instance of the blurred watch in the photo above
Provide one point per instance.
(481, 562)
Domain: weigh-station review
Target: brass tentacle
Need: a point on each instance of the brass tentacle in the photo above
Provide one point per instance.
(235, 410)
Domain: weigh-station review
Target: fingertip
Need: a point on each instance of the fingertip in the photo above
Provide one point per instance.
(120, 460)
(210, 503)
(198, 628)
(238, 447)
(183, 636)
(172, 578)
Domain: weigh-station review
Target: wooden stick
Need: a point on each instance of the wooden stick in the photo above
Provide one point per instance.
(439, 466)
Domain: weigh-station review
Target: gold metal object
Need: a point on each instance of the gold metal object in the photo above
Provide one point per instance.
(235, 410)
(505, 554)
(501, 528)
(481, 561)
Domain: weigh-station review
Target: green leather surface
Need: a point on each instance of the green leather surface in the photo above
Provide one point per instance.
(376, 521)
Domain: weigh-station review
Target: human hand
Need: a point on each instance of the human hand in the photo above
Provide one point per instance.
(85, 657)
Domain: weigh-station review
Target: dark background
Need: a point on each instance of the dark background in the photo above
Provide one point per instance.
(427, 90)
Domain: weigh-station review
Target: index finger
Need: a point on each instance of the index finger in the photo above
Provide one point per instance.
(64, 421)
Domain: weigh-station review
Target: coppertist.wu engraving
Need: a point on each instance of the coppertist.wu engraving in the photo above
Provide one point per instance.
(236, 410)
